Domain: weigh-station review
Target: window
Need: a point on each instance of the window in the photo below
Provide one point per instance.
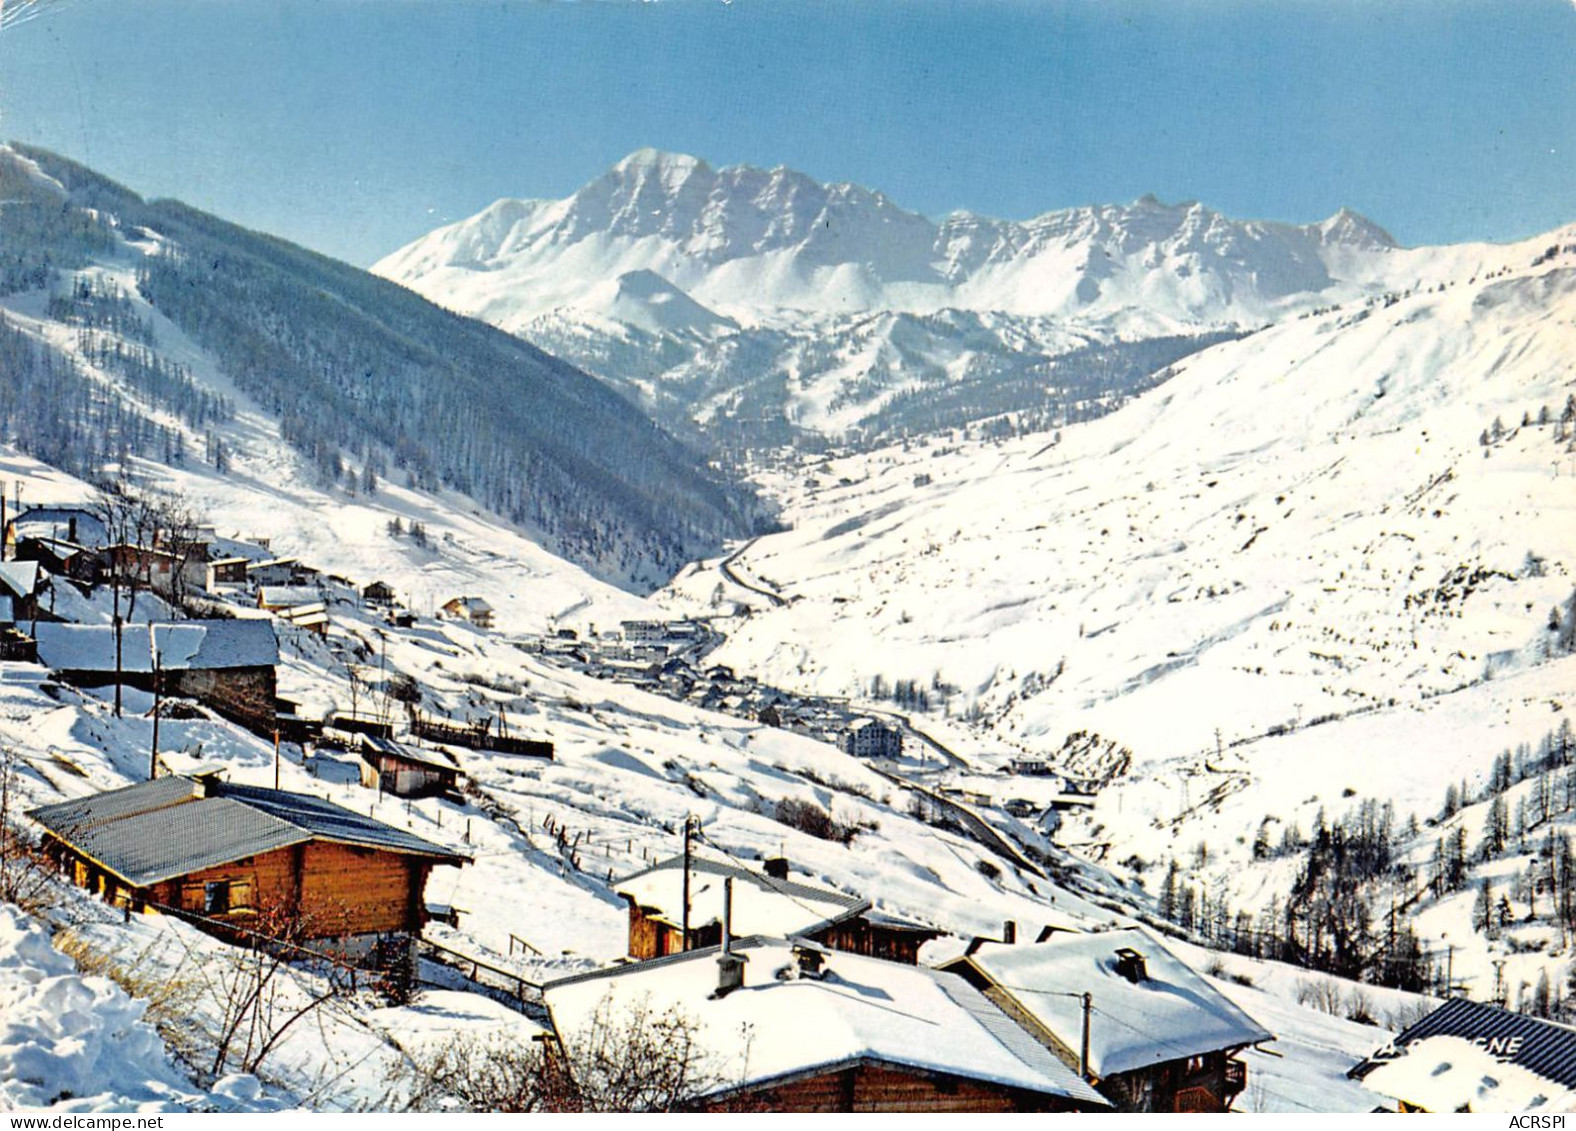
(216, 898)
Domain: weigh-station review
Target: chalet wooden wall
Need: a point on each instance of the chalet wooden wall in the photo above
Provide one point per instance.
(876, 1089)
(340, 890)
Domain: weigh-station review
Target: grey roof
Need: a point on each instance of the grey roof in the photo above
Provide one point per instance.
(194, 645)
(7, 613)
(372, 744)
(171, 826)
(325, 820)
(111, 805)
(147, 848)
(790, 888)
(1539, 1046)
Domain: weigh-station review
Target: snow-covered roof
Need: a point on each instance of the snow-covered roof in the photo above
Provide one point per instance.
(288, 596)
(781, 1025)
(1450, 1074)
(20, 578)
(1168, 1014)
(174, 825)
(59, 522)
(196, 645)
(1542, 1047)
(7, 614)
(237, 549)
(470, 605)
(761, 905)
(372, 745)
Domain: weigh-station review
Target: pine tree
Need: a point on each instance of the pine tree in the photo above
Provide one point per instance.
(1483, 908)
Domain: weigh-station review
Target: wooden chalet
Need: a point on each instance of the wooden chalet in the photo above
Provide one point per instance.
(230, 854)
(473, 609)
(1160, 1038)
(829, 1032)
(1469, 1057)
(226, 571)
(227, 664)
(766, 903)
(378, 593)
(297, 606)
(407, 771)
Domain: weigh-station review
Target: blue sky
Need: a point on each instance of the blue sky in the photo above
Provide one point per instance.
(353, 126)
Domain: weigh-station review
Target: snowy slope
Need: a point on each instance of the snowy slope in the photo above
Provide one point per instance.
(1274, 579)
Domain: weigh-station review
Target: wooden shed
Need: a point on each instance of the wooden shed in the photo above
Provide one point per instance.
(229, 854)
(405, 770)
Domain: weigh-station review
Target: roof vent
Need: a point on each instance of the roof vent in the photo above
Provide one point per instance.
(777, 867)
(1130, 965)
(1009, 932)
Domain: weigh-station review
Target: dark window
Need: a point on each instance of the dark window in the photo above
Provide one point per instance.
(216, 898)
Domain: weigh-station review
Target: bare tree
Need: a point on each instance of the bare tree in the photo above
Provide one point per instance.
(25, 873)
(630, 1057)
(256, 999)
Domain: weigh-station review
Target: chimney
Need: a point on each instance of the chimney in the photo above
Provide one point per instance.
(730, 966)
(777, 867)
(1009, 932)
(1130, 965)
(812, 962)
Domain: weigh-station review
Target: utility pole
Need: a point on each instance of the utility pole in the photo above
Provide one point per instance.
(1083, 1048)
(276, 759)
(689, 831)
(153, 647)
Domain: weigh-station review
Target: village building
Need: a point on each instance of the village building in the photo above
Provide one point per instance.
(378, 593)
(766, 903)
(297, 606)
(405, 770)
(227, 664)
(74, 525)
(238, 856)
(272, 571)
(1469, 1057)
(1159, 1037)
(785, 1026)
(870, 738)
(226, 571)
(20, 584)
(473, 609)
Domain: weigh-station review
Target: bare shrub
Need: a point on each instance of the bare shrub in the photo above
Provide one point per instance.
(808, 817)
(1322, 994)
(628, 1058)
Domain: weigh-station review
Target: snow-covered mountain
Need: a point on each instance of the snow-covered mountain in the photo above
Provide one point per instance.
(760, 304)
(360, 377)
